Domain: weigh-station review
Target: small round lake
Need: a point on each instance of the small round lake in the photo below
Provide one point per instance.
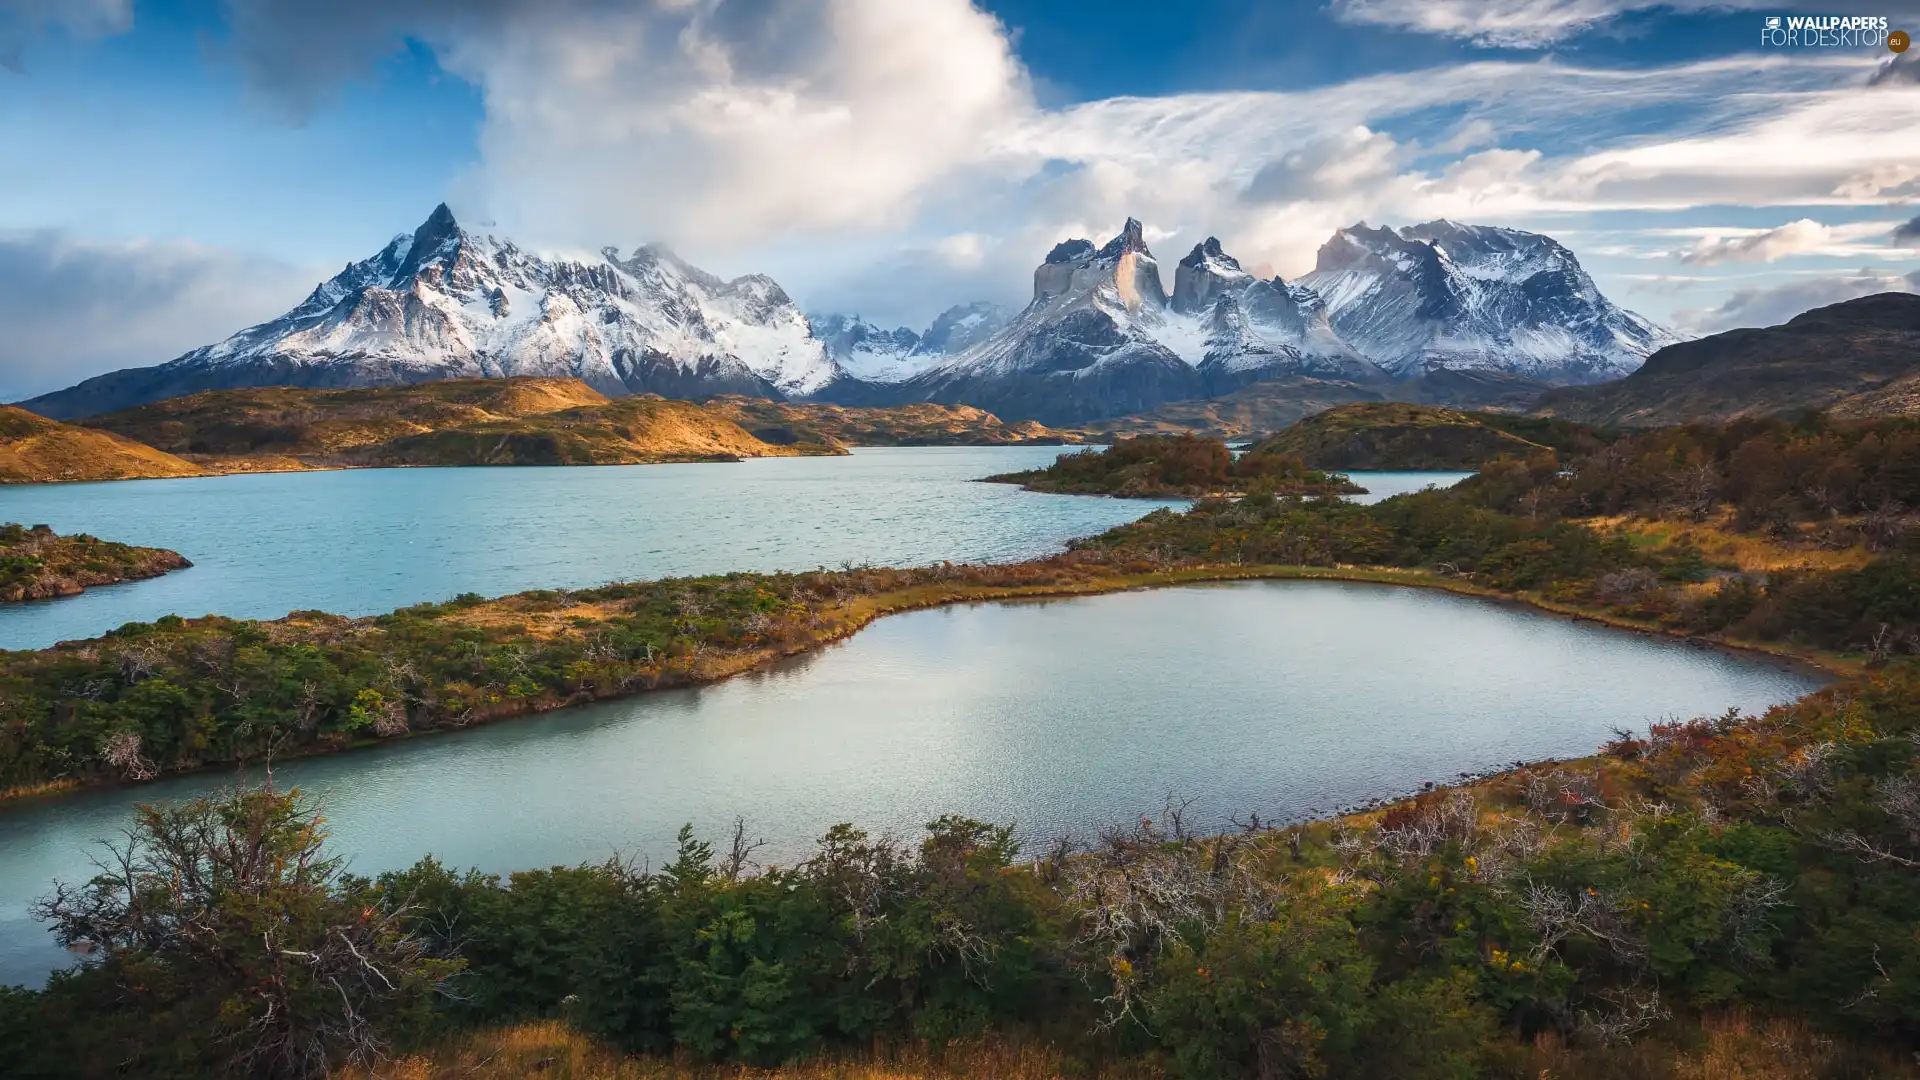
(1282, 698)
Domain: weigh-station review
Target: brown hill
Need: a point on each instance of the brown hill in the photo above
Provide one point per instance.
(516, 421)
(1859, 359)
(36, 450)
(915, 424)
(285, 420)
(629, 431)
(1395, 435)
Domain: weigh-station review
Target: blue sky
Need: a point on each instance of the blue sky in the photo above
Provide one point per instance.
(172, 170)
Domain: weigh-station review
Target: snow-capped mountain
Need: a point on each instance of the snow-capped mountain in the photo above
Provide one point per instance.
(445, 302)
(1087, 345)
(869, 354)
(1102, 336)
(864, 351)
(1475, 297)
(1253, 329)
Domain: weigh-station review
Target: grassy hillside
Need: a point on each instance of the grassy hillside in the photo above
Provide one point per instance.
(1392, 435)
(1858, 359)
(1264, 408)
(915, 424)
(629, 431)
(517, 421)
(284, 420)
(36, 563)
(36, 450)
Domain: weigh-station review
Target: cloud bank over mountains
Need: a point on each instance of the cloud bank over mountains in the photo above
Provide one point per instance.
(892, 158)
(813, 139)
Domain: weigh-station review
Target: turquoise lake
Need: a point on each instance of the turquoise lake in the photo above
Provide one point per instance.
(1281, 698)
(366, 541)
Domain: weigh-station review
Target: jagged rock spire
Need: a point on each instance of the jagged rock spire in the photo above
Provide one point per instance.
(430, 237)
(1132, 238)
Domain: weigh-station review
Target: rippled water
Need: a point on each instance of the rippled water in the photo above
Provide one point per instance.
(366, 541)
(1282, 698)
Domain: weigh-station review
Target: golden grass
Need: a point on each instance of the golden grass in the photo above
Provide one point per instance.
(1726, 1046)
(553, 1050)
(1751, 553)
(44, 787)
(36, 450)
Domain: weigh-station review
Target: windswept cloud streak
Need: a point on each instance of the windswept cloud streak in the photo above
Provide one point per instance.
(1525, 24)
(1803, 237)
(1772, 305)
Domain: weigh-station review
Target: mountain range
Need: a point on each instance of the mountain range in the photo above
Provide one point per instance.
(1103, 336)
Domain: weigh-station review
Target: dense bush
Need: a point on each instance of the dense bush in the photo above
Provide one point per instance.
(1177, 466)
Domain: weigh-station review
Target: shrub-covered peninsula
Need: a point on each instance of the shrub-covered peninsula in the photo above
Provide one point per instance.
(36, 563)
(1766, 534)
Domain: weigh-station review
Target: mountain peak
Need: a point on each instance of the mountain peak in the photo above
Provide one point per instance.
(1210, 252)
(429, 238)
(1070, 251)
(1133, 237)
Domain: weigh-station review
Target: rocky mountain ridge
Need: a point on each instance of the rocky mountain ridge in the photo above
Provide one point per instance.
(1103, 335)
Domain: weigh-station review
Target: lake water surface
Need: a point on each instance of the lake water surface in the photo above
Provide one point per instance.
(1279, 697)
(367, 541)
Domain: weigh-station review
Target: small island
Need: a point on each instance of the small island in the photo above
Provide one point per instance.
(1179, 467)
(37, 563)
(1397, 435)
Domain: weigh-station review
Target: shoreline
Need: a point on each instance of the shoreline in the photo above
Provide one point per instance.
(850, 617)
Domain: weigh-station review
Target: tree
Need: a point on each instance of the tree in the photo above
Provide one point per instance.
(225, 938)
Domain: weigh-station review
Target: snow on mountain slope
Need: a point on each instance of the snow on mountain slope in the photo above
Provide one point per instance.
(1085, 346)
(445, 302)
(1475, 297)
(1249, 329)
(870, 354)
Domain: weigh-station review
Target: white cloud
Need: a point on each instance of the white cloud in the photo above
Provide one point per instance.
(74, 308)
(1525, 24)
(1770, 306)
(962, 251)
(843, 145)
(679, 124)
(1805, 236)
